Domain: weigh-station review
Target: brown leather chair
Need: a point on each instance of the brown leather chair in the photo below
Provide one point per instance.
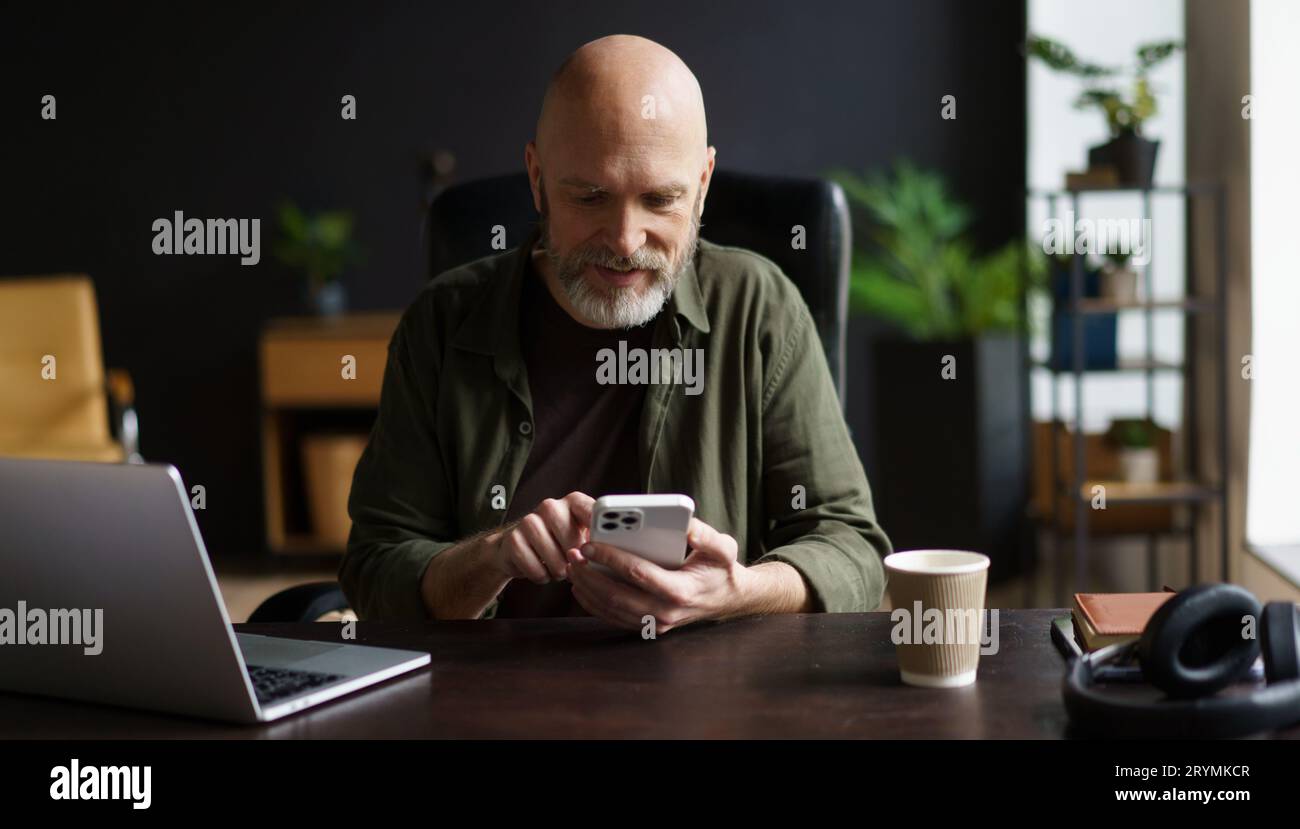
(57, 400)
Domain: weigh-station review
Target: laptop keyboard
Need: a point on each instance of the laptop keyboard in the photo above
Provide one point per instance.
(272, 684)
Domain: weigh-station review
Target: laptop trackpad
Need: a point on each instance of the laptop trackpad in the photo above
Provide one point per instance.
(274, 652)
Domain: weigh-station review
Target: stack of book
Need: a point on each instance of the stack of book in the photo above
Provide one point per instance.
(1102, 619)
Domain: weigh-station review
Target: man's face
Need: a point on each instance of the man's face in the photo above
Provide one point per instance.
(619, 228)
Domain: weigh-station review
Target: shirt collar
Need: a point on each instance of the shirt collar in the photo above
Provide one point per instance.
(687, 300)
(493, 327)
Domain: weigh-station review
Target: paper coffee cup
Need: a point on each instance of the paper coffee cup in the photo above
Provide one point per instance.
(938, 601)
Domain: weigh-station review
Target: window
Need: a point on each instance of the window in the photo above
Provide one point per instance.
(1272, 510)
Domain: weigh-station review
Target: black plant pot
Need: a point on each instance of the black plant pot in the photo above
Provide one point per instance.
(1132, 156)
(952, 453)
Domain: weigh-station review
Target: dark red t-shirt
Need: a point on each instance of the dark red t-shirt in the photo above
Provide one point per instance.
(584, 433)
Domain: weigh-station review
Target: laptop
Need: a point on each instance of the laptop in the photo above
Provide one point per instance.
(106, 564)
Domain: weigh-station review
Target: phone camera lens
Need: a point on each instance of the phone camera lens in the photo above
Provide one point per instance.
(609, 525)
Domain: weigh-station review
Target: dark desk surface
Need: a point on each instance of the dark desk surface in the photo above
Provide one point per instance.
(798, 676)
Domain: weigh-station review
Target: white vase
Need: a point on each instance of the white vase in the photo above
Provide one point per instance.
(329, 300)
(1140, 466)
(1119, 284)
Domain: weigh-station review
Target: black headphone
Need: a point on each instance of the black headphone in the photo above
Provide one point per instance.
(1195, 645)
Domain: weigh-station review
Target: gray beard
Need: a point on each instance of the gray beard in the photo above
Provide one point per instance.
(610, 307)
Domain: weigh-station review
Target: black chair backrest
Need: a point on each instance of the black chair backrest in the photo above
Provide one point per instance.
(760, 213)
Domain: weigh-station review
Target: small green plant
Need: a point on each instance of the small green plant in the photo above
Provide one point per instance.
(1132, 433)
(913, 265)
(319, 244)
(1117, 260)
(1101, 89)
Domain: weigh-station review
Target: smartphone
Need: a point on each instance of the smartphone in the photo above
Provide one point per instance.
(650, 526)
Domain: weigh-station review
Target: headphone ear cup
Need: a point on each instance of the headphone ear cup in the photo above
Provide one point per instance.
(1279, 636)
(1193, 644)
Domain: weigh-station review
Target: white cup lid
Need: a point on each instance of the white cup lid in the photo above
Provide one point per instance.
(937, 562)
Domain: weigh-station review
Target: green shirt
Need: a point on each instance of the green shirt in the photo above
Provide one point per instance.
(761, 447)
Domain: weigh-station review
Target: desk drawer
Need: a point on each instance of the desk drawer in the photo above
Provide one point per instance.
(309, 372)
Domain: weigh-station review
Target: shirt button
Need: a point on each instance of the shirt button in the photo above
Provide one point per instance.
(525, 428)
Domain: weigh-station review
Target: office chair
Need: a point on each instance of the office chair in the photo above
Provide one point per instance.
(745, 210)
(757, 212)
(59, 401)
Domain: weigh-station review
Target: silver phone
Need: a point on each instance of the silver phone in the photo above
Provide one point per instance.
(651, 526)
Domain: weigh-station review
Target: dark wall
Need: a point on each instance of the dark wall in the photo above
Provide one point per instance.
(222, 113)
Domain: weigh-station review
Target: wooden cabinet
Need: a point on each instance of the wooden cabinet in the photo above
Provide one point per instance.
(319, 377)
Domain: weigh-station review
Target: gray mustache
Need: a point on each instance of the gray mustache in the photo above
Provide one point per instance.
(641, 260)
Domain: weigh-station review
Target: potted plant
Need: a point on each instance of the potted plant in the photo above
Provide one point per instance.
(1135, 439)
(949, 436)
(1131, 154)
(320, 245)
(914, 265)
(1118, 279)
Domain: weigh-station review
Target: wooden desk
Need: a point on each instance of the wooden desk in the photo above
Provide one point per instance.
(797, 676)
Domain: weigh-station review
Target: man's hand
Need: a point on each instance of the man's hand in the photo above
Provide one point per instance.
(534, 547)
(551, 543)
(711, 584)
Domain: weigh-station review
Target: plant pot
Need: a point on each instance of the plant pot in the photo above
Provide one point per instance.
(1119, 284)
(1132, 156)
(1139, 465)
(328, 300)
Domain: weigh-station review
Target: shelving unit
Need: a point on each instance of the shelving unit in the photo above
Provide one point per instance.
(1191, 488)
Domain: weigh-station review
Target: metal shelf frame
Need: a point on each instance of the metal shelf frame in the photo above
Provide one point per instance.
(1077, 308)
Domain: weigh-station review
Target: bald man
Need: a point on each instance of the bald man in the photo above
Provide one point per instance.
(498, 426)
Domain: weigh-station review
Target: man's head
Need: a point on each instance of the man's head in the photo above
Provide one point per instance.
(619, 169)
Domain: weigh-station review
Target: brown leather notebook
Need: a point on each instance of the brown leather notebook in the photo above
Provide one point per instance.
(1102, 619)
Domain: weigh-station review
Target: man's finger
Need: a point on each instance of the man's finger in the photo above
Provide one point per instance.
(523, 559)
(544, 545)
(598, 607)
(624, 596)
(561, 521)
(580, 504)
(702, 537)
(603, 599)
(636, 571)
